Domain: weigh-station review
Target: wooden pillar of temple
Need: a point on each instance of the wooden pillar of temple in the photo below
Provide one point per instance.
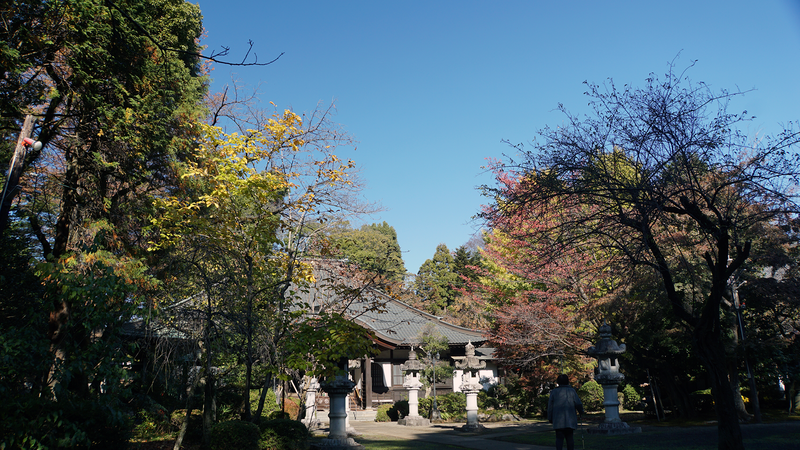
(367, 370)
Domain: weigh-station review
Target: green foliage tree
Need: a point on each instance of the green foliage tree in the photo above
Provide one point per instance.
(433, 344)
(224, 230)
(374, 248)
(113, 110)
(466, 264)
(240, 232)
(768, 313)
(435, 281)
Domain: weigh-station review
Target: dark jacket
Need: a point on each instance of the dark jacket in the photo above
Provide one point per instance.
(561, 407)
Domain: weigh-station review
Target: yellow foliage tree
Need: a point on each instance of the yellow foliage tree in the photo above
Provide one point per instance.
(238, 225)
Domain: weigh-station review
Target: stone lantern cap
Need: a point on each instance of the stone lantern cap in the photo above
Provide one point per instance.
(413, 364)
(606, 352)
(469, 362)
(338, 385)
(605, 346)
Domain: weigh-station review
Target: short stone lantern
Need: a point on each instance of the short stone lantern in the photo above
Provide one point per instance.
(470, 364)
(412, 368)
(608, 375)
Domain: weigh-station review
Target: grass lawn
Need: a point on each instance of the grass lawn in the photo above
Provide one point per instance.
(776, 436)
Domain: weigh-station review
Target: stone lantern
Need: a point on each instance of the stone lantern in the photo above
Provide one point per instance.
(412, 383)
(338, 388)
(470, 364)
(310, 420)
(608, 375)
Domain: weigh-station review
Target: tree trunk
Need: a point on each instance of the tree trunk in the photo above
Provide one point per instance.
(711, 350)
(14, 173)
(733, 366)
(677, 393)
(209, 391)
(185, 424)
(741, 409)
(262, 398)
(209, 408)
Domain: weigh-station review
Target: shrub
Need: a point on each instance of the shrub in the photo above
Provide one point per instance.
(398, 410)
(515, 394)
(104, 423)
(229, 402)
(630, 398)
(278, 415)
(270, 440)
(591, 394)
(424, 406)
(270, 402)
(236, 434)
(150, 418)
(283, 434)
(539, 405)
(702, 401)
(452, 406)
(382, 415)
(148, 425)
(291, 406)
(195, 429)
(487, 401)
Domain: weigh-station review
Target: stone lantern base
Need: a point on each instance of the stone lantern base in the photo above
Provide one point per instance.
(472, 427)
(336, 444)
(610, 429)
(414, 421)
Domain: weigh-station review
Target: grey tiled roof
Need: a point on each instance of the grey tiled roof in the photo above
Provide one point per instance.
(393, 321)
(402, 324)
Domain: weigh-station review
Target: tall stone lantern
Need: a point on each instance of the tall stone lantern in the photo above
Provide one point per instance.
(470, 364)
(412, 383)
(608, 375)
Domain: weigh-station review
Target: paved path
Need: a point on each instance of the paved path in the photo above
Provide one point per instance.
(449, 434)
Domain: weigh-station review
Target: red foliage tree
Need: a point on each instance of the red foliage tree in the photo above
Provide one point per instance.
(538, 291)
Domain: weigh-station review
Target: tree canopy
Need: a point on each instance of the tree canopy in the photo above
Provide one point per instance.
(374, 248)
(113, 111)
(665, 180)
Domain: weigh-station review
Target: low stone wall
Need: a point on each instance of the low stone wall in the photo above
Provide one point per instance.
(361, 415)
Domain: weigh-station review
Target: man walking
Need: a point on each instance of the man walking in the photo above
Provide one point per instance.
(561, 412)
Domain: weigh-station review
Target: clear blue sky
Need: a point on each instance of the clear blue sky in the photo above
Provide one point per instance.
(429, 89)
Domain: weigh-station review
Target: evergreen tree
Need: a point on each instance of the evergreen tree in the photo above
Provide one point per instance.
(465, 263)
(114, 87)
(435, 281)
(374, 248)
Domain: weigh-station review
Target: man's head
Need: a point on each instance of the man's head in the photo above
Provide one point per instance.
(562, 380)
